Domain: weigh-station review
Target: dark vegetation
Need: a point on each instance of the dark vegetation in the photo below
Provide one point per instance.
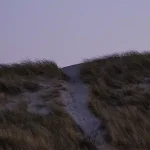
(14, 78)
(31, 69)
(21, 130)
(120, 95)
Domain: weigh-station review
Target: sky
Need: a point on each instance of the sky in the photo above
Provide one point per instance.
(70, 31)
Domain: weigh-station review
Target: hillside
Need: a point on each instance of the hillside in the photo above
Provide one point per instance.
(120, 96)
(100, 104)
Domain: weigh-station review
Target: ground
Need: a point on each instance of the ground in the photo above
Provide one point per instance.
(100, 104)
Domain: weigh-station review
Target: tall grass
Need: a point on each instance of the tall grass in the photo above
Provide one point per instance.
(22, 130)
(32, 68)
(14, 78)
(118, 99)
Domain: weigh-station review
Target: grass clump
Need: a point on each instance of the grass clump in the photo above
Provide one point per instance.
(124, 68)
(31, 69)
(14, 85)
(118, 99)
(11, 87)
(15, 78)
(31, 86)
(23, 130)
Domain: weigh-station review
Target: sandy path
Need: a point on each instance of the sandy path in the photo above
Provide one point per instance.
(76, 102)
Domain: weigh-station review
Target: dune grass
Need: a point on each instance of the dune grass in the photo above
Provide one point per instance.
(16, 77)
(117, 97)
(23, 130)
(32, 68)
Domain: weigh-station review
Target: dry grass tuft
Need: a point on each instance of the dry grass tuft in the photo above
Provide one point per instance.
(22, 130)
(16, 78)
(118, 99)
(31, 86)
(31, 69)
(10, 85)
(14, 85)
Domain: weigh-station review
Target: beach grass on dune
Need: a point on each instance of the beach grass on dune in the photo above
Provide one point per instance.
(32, 68)
(23, 130)
(18, 76)
(116, 96)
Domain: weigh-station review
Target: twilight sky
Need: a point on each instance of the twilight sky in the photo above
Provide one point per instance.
(68, 31)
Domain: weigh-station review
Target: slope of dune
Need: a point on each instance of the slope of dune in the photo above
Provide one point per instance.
(100, 104)
(61, 100)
